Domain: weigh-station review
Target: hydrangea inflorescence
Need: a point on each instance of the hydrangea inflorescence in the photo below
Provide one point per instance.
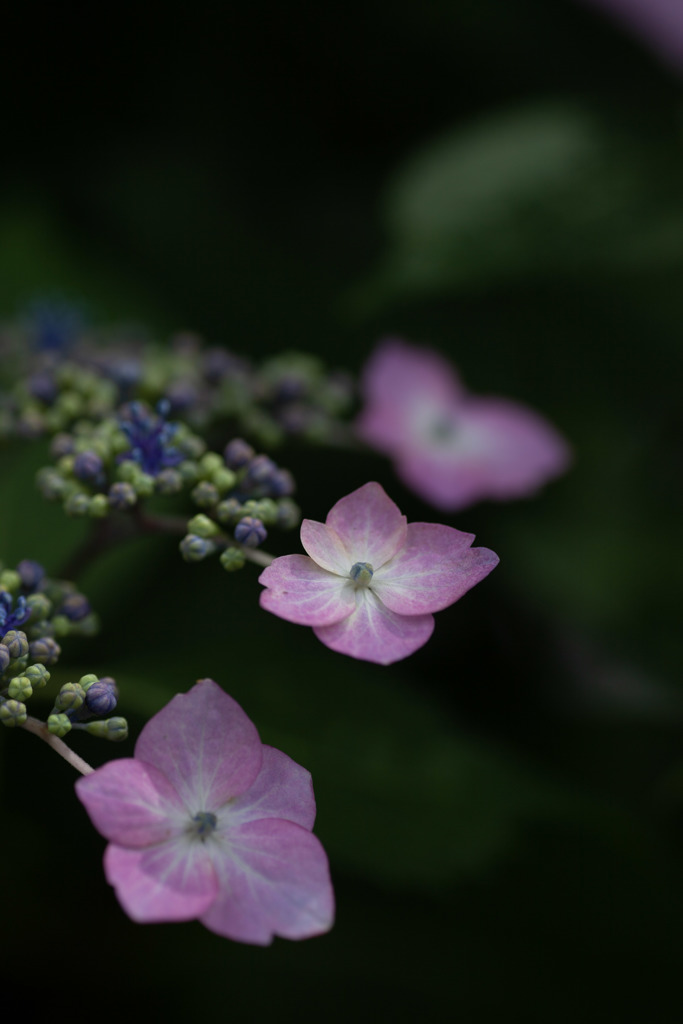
(35, 609)
(207, 822)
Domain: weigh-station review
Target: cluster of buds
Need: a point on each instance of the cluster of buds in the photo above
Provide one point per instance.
(241, 495)
(59, 373)
(34, 610)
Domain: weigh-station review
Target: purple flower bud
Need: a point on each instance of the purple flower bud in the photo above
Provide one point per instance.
(45, 650)
(31, 573)
(88, 466)
(237, 453)
(43, 387)
(5, 657)
(16, 643)
(259, 471)
(250, 531)
(75, 607)
(100, 698)
(122, 496)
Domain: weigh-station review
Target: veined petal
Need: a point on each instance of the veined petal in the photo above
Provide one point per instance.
(435, 567)
(301, 592)
(175, 881)
(283, 789)
(369, 524)
(132, 803)
(205, 745)
(375, 633)
(274, 880)
(325, 547)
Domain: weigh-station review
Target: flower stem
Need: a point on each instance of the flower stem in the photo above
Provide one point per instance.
(39, 728)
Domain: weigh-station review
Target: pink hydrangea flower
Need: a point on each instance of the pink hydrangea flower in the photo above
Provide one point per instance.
(660, 22)
(452, 448)
(373, 581)
(207, 822)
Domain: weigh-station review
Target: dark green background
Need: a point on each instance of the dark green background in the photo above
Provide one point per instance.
(502, 180)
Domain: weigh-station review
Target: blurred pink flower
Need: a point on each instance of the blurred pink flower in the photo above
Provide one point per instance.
(206, 822)
(452, 448)
(372, 581)
(659, 22)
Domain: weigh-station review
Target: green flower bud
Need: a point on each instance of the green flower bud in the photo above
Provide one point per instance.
(70, 697)
(205, 494)
(109, 729)
(58, 725)
(223, 479)
(264, 509)
(66, 464)
(61, 625)
(85, 682)
(210, 462)
(17, 643)
(40, 606)
(229, 511)
(10, 580)
(202, 526)
(99, 506)
(288, 514)
(189, 471)
(20, 688)
(232, 559)
(169, 481)
(13, 713)
(143, 484)
(37, 675)
(77, 504)
(128, 470)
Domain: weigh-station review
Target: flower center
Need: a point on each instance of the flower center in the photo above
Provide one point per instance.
(361, 573)
(203, 825)
(442, 430)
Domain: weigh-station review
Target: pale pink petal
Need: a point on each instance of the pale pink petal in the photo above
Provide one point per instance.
(406, 388)
(283, 789)
(369, 524)
(436, 567)
(325, 547)
(660, 22)
(175, 881)
(132, 803)
(274, 880)
(205, 745)
(375, 633)
(301, 592)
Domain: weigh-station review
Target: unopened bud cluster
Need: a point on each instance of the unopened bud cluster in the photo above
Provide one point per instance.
(241, 495)
(35, 609)
(61, 372)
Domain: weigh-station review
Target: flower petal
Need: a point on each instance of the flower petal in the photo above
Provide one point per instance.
(132, 803)
(205, 745)
(375, 633)
(175, 881)
(369, 524)
(283, 789)
(325, 547)
(434, 568)
(300, 591)
(274, 880)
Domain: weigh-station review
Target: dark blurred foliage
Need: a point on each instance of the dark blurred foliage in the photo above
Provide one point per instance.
(500, 179)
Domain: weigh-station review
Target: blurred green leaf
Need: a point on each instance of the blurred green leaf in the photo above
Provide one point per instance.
(543, 190)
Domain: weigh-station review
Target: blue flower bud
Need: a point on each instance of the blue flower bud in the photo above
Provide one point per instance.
(122, 496)
(16, 642)
(45, 650)
(100, 697)
(281, 483)
(88, 467)
(194, 548)
(250, 531)
(13, 713)
(237, 453)
(43, 386)
(259, 471)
